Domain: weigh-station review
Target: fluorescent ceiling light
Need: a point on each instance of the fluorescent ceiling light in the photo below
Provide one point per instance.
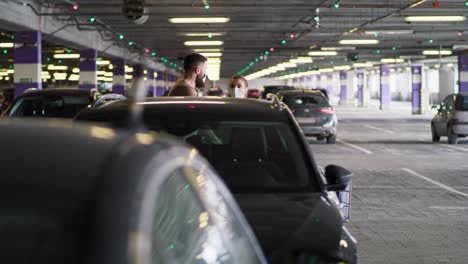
(392, 60)
(213, 60)
(207, 50)
(204, 43)
(415, 4)
(338, 48)
(102, 62)
(358, 41)
(3, 73)
(204, 20)
(300, 60)
(75, 70)
(288, 65)
(322, 53)
(342, 68)
(67, 56)
(326, 70)
(389, 32)
(211, 54)
(362, 65)
(435, 18)
(437, 52)
(312, 72)
(108, 74)
(52, 67)
(7, 45)
(214, 34)
(10, 71)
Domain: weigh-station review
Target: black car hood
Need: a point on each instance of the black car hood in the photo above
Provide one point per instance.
(288, 223)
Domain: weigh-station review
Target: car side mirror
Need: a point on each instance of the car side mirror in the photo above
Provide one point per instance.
(337, 177)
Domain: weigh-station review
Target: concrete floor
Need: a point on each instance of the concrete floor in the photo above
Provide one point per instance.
(410, 196)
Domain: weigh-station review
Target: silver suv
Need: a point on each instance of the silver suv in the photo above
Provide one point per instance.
(451, 119)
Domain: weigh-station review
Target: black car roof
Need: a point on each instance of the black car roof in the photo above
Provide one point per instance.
(230, 108)
(59, 92)
(300, 91)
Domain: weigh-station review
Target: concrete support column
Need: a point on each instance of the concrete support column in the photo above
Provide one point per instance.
(416, 93)
(160, 89)
(463, 73)
(309, 81)
(385, 98)
(319, 81)
(360, 89)
(118, 83)
(88, 68)
(330, 84)
(150, 83)
(343, 87)
(27, 61)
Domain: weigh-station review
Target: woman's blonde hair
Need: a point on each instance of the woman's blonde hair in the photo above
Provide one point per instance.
(239, 77)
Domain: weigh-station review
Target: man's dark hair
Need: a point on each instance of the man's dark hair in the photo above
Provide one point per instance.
(192, 61)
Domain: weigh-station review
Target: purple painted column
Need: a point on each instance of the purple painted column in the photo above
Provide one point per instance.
(118, 83)
(343, 87)
(319, 80)
(360, 87)
(309, 81)
(150, 83)
(385, 87)
(416, 93)
(329, 83)
(27, 61)
(88, 68)
(160, 89)
(463, 72)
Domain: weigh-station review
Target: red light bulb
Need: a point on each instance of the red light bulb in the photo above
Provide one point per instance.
(75, 7)
(272, 49)
(459, 33)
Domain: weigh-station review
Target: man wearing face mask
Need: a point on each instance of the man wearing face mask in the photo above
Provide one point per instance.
(194, 77)
(238, 86)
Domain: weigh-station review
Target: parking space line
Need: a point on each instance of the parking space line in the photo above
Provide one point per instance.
(354, 146)
(441, 185)
(458, 148)
(380, 129)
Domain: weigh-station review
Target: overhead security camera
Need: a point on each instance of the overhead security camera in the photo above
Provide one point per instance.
(136, 11)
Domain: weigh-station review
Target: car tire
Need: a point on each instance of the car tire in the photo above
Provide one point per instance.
(435, 137)
(451, 137)
(331, 139)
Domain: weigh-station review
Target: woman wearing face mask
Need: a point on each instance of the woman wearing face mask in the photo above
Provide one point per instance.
(238, 86)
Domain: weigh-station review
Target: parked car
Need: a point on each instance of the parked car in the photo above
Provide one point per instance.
(451, 119)
(216, 92)
(314, 113)
(254, 93)
(59, 103)
(266, 162)
(273, 89)
(92, 194)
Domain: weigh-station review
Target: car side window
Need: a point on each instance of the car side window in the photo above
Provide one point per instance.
(194, 224)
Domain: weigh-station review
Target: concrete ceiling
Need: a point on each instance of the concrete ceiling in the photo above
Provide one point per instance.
(257, 26)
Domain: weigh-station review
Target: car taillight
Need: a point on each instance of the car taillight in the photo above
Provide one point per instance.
(326, 110)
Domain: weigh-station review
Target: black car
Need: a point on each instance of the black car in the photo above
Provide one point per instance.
(259, 151)
(92, 194)
(58, 103)
(314, 113)
(273, 89)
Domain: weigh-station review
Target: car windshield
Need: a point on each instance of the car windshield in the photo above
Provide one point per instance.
(247, 154)
(49, 106)
(303, 100)
(462, 103)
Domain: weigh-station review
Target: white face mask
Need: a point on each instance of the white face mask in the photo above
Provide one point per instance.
(237, 92)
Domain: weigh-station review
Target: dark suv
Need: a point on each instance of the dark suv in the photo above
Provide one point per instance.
(314, 113)
(58, 103)
(257, 148)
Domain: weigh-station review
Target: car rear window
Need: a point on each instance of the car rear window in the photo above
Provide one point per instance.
(462, 103)
(49, 106)
(304, 100)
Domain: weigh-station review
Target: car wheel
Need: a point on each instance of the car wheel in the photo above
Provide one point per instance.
(435, 137)
(331, 139)
(452, 138)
